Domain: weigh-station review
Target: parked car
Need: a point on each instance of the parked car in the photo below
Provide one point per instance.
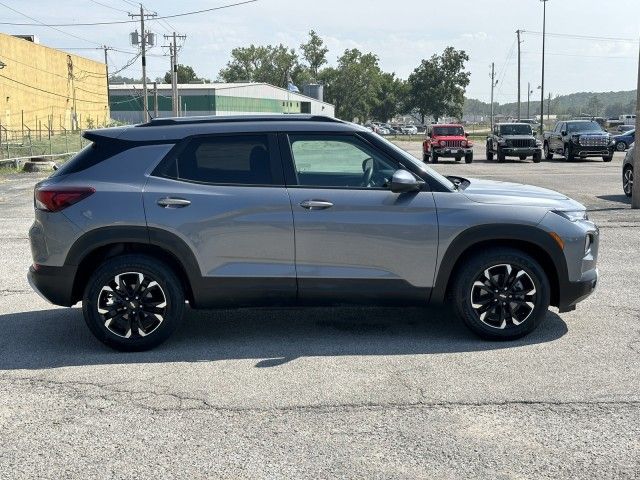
(623, 141)
(627, 172)
(628, 119)
(625, 128)
(294, 210)
(447, 141)
(513, 140)
(409, 130)
(578, 138)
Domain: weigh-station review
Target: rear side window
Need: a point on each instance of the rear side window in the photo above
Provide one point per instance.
(239, 159)
(91, 155)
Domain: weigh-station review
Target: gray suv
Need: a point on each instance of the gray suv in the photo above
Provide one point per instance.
(294, 210)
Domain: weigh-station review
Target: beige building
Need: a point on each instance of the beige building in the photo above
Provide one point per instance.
(45, 88)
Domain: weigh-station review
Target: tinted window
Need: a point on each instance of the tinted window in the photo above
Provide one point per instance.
(338, 161)
(242, 159)
(584, 127)
(515, 129)
(91, 155)
(448, 131)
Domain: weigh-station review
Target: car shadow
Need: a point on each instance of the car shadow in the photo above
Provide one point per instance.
(59, 337)
(621, 198)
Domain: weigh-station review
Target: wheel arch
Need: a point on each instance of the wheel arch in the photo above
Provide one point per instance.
(531, 240)
(101, 244)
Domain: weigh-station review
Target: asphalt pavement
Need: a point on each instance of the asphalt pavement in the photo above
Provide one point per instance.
(332, 392)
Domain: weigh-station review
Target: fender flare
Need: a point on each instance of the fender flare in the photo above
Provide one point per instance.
(485, 234)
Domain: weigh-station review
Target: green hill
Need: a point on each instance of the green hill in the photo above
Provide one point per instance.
(600, 104)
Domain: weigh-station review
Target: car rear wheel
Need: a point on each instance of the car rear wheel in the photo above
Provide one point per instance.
(133, 302)
(501, 156)
(621, 146)
(627, 181)
(501, 294)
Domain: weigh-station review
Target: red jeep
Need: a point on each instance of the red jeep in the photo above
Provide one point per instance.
(447, 140)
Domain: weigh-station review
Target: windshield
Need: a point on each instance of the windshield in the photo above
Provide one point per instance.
(584, 127)
(410, 158)
(515, 129)
(448, 131)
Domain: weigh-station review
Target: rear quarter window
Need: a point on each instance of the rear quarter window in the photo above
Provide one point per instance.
(91, 155)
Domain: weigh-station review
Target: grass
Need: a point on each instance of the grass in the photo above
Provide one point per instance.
(24, 147)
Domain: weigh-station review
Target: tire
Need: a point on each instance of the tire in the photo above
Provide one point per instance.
(548, 154)
(608, 158)
(425, 157)
(472, 295)
(434, 157)
(621, 146)
(537, 156)
(489, 155)
(162, 309)
(501, 155)
(458, 159)
(468, 158)
(627, 181)
(567, 153)
(522, 157)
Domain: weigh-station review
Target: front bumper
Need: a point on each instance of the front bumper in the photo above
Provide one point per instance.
(587, 151)
(54, 284)
(573, 293)
(451, 152)
(519, 151)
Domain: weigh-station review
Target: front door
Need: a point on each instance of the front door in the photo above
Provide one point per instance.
(355, 239)
(224, 197)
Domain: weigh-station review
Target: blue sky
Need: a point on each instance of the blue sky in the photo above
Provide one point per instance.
(400, 33)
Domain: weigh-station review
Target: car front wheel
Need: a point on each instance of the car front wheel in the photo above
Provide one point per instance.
(627, 181)
(133, 302)
(501, 294)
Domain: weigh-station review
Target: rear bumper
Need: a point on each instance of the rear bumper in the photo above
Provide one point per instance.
(54, 284)
(572, 293)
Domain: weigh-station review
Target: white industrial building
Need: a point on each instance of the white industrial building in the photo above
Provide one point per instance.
(125, 101)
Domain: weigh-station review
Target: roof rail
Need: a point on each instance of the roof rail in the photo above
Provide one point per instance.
(238, 119)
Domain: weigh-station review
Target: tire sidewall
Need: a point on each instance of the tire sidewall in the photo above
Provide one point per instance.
(467, 276)
(163, 275)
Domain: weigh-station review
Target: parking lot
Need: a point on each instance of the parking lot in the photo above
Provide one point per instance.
(332, 392)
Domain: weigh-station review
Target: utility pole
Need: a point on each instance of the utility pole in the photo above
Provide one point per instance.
(529, 92)
(519, 42)
(143, 49)
(635, 191)
(155, 99)
(106, 68)
(173, 50)
(494, 82)
(544, 36)
(549, 107)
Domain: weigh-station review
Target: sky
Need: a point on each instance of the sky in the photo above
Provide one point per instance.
(400, 34)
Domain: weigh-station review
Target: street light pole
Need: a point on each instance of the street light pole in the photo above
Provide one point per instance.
(544, 32)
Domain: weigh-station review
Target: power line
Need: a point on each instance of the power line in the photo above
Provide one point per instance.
(120, 22)
(578, 55)
(583, 37)
(48, 92)
(108, 6)
(41, 24)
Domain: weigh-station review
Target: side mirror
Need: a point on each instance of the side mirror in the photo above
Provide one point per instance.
(403, 182)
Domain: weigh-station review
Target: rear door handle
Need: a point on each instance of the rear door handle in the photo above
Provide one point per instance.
(172, 202)
(316, 204)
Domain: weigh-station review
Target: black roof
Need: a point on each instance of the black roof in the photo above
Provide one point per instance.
(238, 119)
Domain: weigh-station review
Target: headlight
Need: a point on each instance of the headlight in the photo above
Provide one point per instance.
(464, 143)
(502, 142)
(572, 216)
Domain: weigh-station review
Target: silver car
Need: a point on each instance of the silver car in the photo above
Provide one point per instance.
(220, 212)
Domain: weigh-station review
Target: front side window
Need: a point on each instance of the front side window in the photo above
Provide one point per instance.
(339, 161)
(241, 159)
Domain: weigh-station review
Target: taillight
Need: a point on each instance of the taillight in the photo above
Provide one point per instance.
(54, 199)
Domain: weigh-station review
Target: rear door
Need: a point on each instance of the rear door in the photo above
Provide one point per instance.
(224, 196)
(355, 239)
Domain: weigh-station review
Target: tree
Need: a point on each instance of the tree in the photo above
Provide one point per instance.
(268, 64)
(354, 85)
(390, 98)
(436, 87)
(594, 106)
(186, 74)
(315, 53)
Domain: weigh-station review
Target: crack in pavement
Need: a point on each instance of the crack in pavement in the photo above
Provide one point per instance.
(184, 402)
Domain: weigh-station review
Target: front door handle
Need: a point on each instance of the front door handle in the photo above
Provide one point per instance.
(172, 202)
(316, 204)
